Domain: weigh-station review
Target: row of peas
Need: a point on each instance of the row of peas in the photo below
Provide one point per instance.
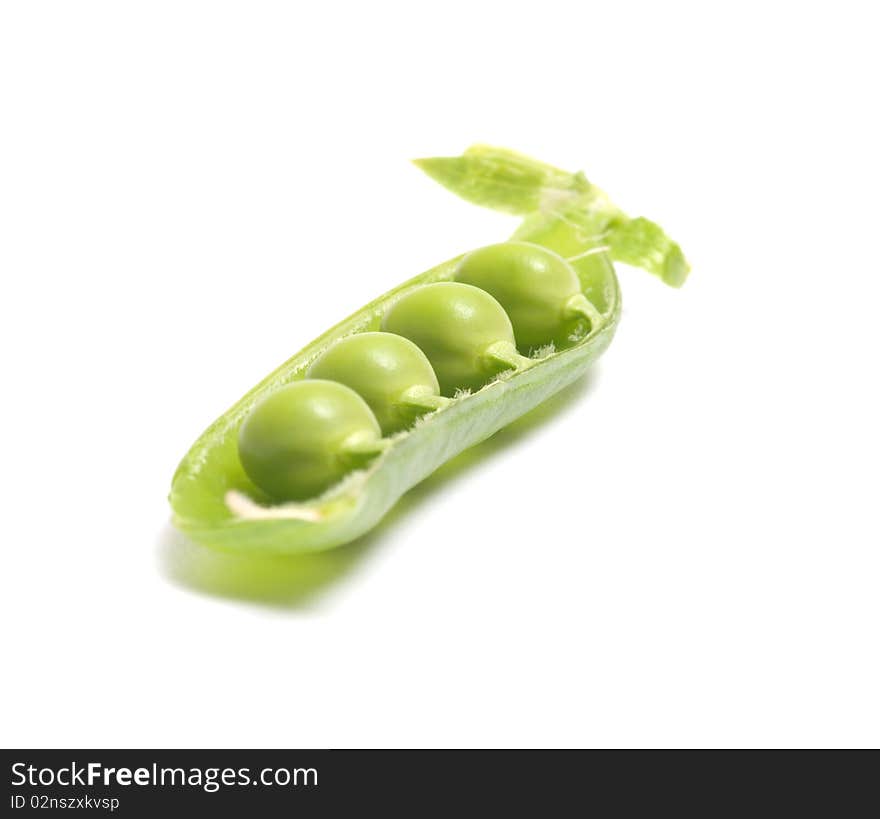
(505, 301)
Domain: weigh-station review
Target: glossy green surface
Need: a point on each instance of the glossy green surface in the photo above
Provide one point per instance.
(304, 437)
(537, 288)
(217, 504)
(388, 371)
(463, 331)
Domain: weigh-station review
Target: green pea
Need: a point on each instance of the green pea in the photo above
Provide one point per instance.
(537, 288)
(305, 437)
(463, 331)
(388, 371)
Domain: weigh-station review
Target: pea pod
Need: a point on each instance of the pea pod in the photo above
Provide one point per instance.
(216, 502)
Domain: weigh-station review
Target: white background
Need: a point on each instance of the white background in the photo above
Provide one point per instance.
(684, 551)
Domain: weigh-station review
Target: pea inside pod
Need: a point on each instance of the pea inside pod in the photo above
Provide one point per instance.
(305, 437)
(537, 288)
(388, 371)
(463, 331)
(301, 451)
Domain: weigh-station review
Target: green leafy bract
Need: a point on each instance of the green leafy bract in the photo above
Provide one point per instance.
(507, 181)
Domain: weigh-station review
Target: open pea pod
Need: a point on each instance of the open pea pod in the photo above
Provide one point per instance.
(215, 502)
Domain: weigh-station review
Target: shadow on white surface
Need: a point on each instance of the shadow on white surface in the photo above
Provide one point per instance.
(296, 582)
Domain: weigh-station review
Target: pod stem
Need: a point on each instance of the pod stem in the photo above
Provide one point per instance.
(579, 306)
(504, 354)
(427, 401)
(358, 450)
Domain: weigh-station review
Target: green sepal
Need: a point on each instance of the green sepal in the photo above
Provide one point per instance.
(510, 182)
(642, 243)
(504, 180)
